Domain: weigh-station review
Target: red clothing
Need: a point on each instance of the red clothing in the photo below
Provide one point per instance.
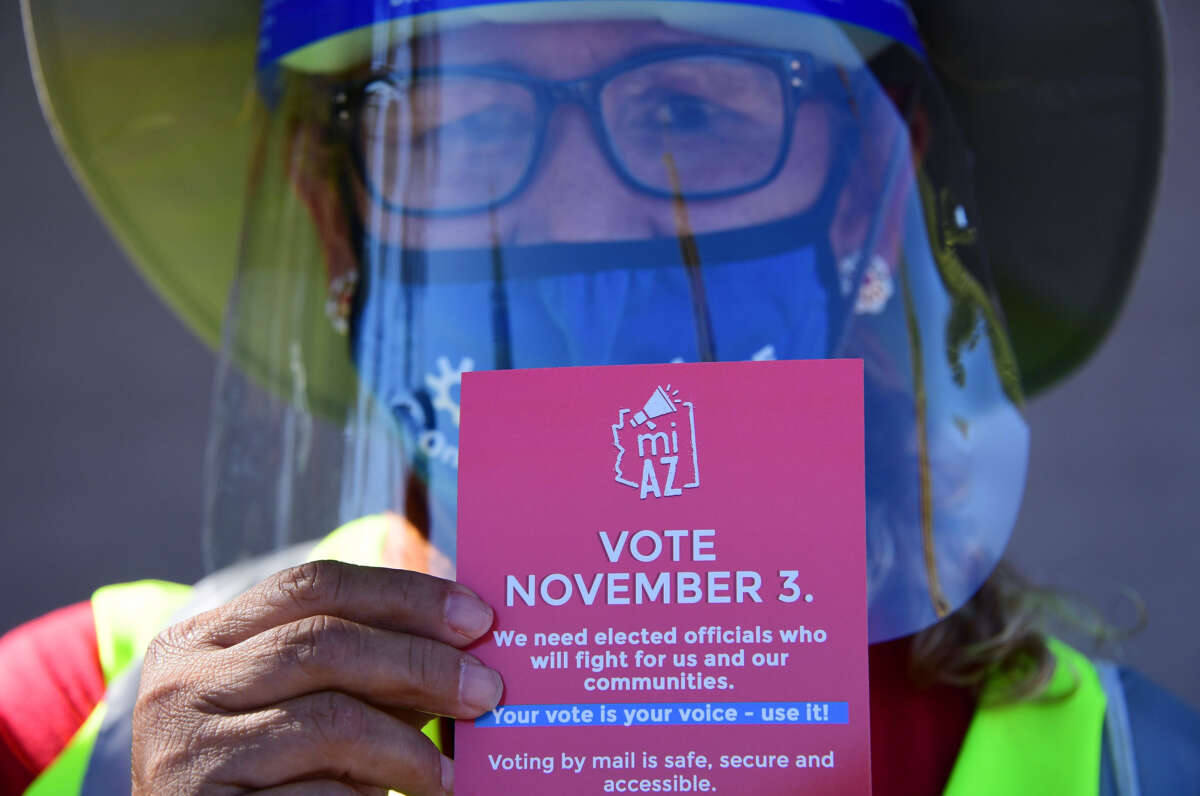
(50, 680)
(916, 733)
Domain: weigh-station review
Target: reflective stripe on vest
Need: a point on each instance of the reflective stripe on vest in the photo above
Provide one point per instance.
(1049, 745)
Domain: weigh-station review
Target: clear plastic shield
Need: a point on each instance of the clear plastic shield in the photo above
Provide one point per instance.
(549, 184)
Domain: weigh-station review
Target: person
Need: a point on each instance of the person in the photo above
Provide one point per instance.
(435, 188)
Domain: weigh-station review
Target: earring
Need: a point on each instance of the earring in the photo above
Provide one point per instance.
(339, 299)
(875, 288)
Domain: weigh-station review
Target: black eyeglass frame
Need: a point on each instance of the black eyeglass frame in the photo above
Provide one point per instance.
(800, 78)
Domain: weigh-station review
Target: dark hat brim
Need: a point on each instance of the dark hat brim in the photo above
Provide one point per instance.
(1064, 107)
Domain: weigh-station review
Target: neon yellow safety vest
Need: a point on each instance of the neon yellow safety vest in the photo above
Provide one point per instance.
(1046, 746)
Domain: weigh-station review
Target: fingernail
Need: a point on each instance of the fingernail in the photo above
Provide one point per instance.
(447, 774)
(467, 614)
(478, 686)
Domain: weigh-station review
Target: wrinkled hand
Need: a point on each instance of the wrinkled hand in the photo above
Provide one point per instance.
(315, 681)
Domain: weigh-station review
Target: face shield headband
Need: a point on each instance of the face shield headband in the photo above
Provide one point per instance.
(288, 27)
(945, 442)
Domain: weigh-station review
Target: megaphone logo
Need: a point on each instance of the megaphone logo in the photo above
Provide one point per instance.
(666, 449)
(659, 404)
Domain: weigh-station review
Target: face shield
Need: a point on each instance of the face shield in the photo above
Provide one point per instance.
(543, 184)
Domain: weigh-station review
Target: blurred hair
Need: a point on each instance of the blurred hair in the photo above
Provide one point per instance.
(1000, 636)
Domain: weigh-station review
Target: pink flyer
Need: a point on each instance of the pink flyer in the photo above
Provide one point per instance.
(676, 558)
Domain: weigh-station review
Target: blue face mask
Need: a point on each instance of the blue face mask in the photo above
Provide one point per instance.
(425, 317)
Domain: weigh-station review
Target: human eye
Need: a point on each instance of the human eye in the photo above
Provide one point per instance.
(494, 125)
(679, 112)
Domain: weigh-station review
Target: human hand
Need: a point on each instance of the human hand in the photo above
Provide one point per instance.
(315, 681)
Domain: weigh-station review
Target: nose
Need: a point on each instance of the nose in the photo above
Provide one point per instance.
(575, 195)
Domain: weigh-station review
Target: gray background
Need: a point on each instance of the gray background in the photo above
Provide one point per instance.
(105, 402)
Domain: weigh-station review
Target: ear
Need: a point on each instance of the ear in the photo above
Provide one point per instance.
(313, 172)
(850, 227)
(862, 200)
(920, 132)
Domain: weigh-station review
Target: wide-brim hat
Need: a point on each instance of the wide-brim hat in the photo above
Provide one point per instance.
(1063, 105)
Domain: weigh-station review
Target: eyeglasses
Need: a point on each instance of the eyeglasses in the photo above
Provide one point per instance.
(696, 122)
